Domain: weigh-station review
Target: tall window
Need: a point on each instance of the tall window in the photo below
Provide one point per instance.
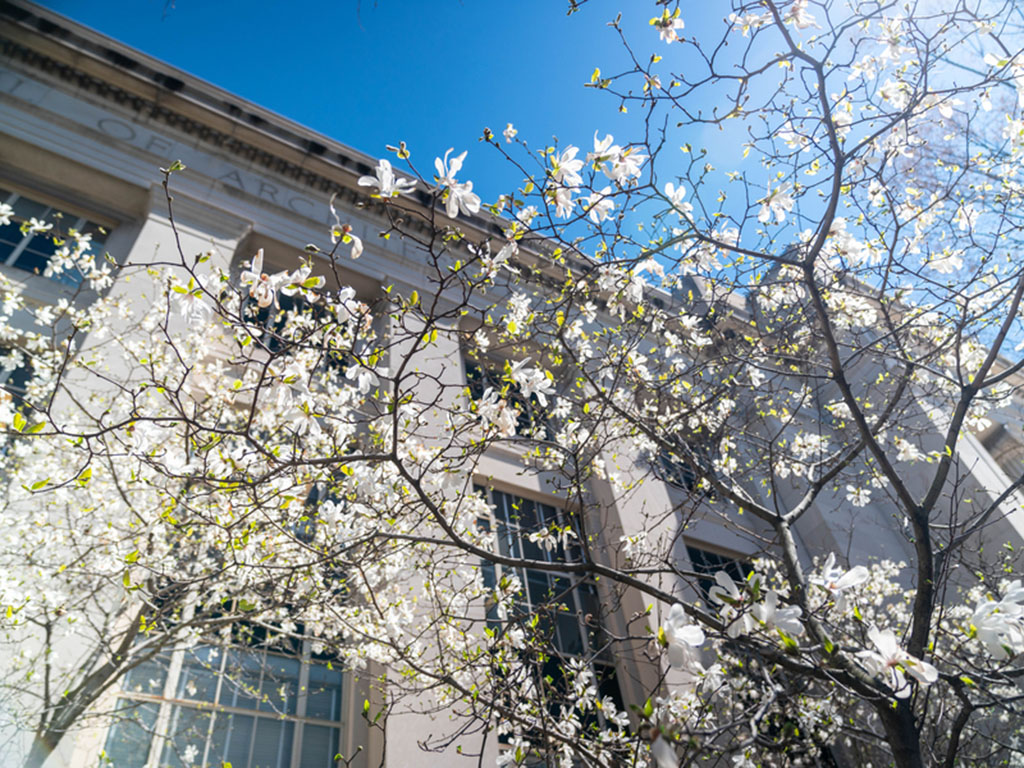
(208, 706)
(568, 609)
(32, 252)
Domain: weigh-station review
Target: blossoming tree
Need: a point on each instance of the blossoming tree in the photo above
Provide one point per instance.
(809, 319)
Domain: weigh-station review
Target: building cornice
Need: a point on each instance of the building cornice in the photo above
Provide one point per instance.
(46, 42)
(40, 40)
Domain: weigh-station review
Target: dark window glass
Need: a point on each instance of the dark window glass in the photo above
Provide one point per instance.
(129, 738)
(148, 677)
(710, 563)
(323, 697)
(32, 251)
(199, 674)
(568, 612)
(319, 746)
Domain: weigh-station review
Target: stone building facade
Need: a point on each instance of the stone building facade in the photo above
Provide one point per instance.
(85, 124)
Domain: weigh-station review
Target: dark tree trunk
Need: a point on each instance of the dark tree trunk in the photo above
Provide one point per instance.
(42, 748)
(902, 733)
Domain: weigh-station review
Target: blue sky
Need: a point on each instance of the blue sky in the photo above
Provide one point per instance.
(431, 72)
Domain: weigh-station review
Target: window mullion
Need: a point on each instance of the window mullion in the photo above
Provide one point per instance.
(20, 246)
(222, 656)
(300, 704)
(163, 719)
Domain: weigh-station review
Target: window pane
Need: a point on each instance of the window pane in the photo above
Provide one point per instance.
(323, 699)
(36, 255)
(272, 747)
(524, 513)
(10, 238)
(199, 674)
(570, 639)
(187, 737)
(29, 209)
(148, 677)
(99, 236)
(319, 746)
(39, 248)
(240, 685)
(709, 563)
(280, 685)
(231, 740)
(128, 739)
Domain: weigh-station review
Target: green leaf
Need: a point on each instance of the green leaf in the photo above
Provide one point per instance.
(18, 422)
(648, 708)
(132, 557)
(789, 642)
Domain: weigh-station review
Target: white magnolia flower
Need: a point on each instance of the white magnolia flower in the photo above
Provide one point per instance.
(495, 411)
(509, 133)
(599, 205)
(859, 497)
(999, 624)
(683, 638)
(533, 381)
(566, 167)
(787, 619)
(732, 600)
(675, 195)
(668, 26)
(6, 212)
(799, 16)
(365, 378)
(749, 21)
(562, 198)
(386, 182)
(36, 226)
(492, 264)
(837, 581)
(344, 233)
(300, 281)
(906, 450)
(446, 169)
(526, 215)
(193, 309)
(945, 263)
(262, 287)
(624, 166)
(776, 203)
(604, 149)
(890, 661)
(460, 196)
